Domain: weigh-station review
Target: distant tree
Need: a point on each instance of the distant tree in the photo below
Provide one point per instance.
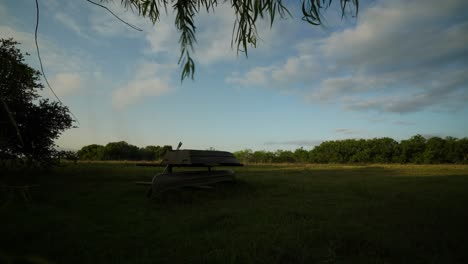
(301, 155)
(412, 150)
(91, 152)
(434, 151)
(244, 155)
(382, 150)
(377, 150)
(352, 150)
(326, 152)
(261, 156)
(451, 149)
(121, 151)
(30, 124)
(68, 155)
(148, 152)
(284, 156)
(156, 150)
(462, 148)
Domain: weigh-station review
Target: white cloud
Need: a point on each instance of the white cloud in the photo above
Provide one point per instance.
(409, 34)
(332, 87)
(66, 83)
(400, 57)
(105, 24)
(446, 92)
(68, 21)
(68, 71)
(213, 33)
(150, 80)
(162, 37)
(25, 38)
(54, 59)
(256, 77)
(302, 67)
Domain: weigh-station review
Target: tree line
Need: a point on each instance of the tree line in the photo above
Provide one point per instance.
(122, 151)
(417, 149)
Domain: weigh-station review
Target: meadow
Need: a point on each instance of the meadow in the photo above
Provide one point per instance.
(94, 213)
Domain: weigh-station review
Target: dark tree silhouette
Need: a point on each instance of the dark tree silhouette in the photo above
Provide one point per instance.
(30, 124)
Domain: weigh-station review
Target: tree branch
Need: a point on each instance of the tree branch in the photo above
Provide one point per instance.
(123, 21)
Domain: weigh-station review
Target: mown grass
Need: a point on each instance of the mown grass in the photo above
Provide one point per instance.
(94, 213)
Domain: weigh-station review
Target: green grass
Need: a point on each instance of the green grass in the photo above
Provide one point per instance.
(94, 213)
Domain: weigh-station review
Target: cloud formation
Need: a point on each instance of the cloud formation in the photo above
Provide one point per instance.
(400, 57)
(213, 33)
(69, 22)
(65, 69)
(66, 83)
(256, 77)
(150, 80)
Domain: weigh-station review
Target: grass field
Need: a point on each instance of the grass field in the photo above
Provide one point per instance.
(94, 213)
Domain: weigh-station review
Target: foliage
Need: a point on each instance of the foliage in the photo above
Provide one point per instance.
(91, 152)
(68, 155)
(417, 149)
(30, 124)
(247, 13)
(122, 151)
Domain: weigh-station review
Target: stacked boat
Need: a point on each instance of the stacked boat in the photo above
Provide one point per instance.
(202, 170)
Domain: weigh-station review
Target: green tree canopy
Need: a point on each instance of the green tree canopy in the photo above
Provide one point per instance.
(416, 149)
(91, 152)
(121, 151)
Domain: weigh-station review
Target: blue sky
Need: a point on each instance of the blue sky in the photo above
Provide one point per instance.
(399, 69)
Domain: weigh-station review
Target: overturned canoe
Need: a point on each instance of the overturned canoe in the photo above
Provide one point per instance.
(197, 178)
(199, 158)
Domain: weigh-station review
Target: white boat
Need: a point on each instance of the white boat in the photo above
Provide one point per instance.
(208, 159)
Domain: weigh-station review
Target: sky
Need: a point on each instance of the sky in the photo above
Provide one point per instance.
(398, 69)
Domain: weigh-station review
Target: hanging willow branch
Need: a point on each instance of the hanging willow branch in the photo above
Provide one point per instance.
(40, 61)
(247, 13)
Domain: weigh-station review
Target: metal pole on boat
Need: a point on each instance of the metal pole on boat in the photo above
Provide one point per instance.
(167, 167)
